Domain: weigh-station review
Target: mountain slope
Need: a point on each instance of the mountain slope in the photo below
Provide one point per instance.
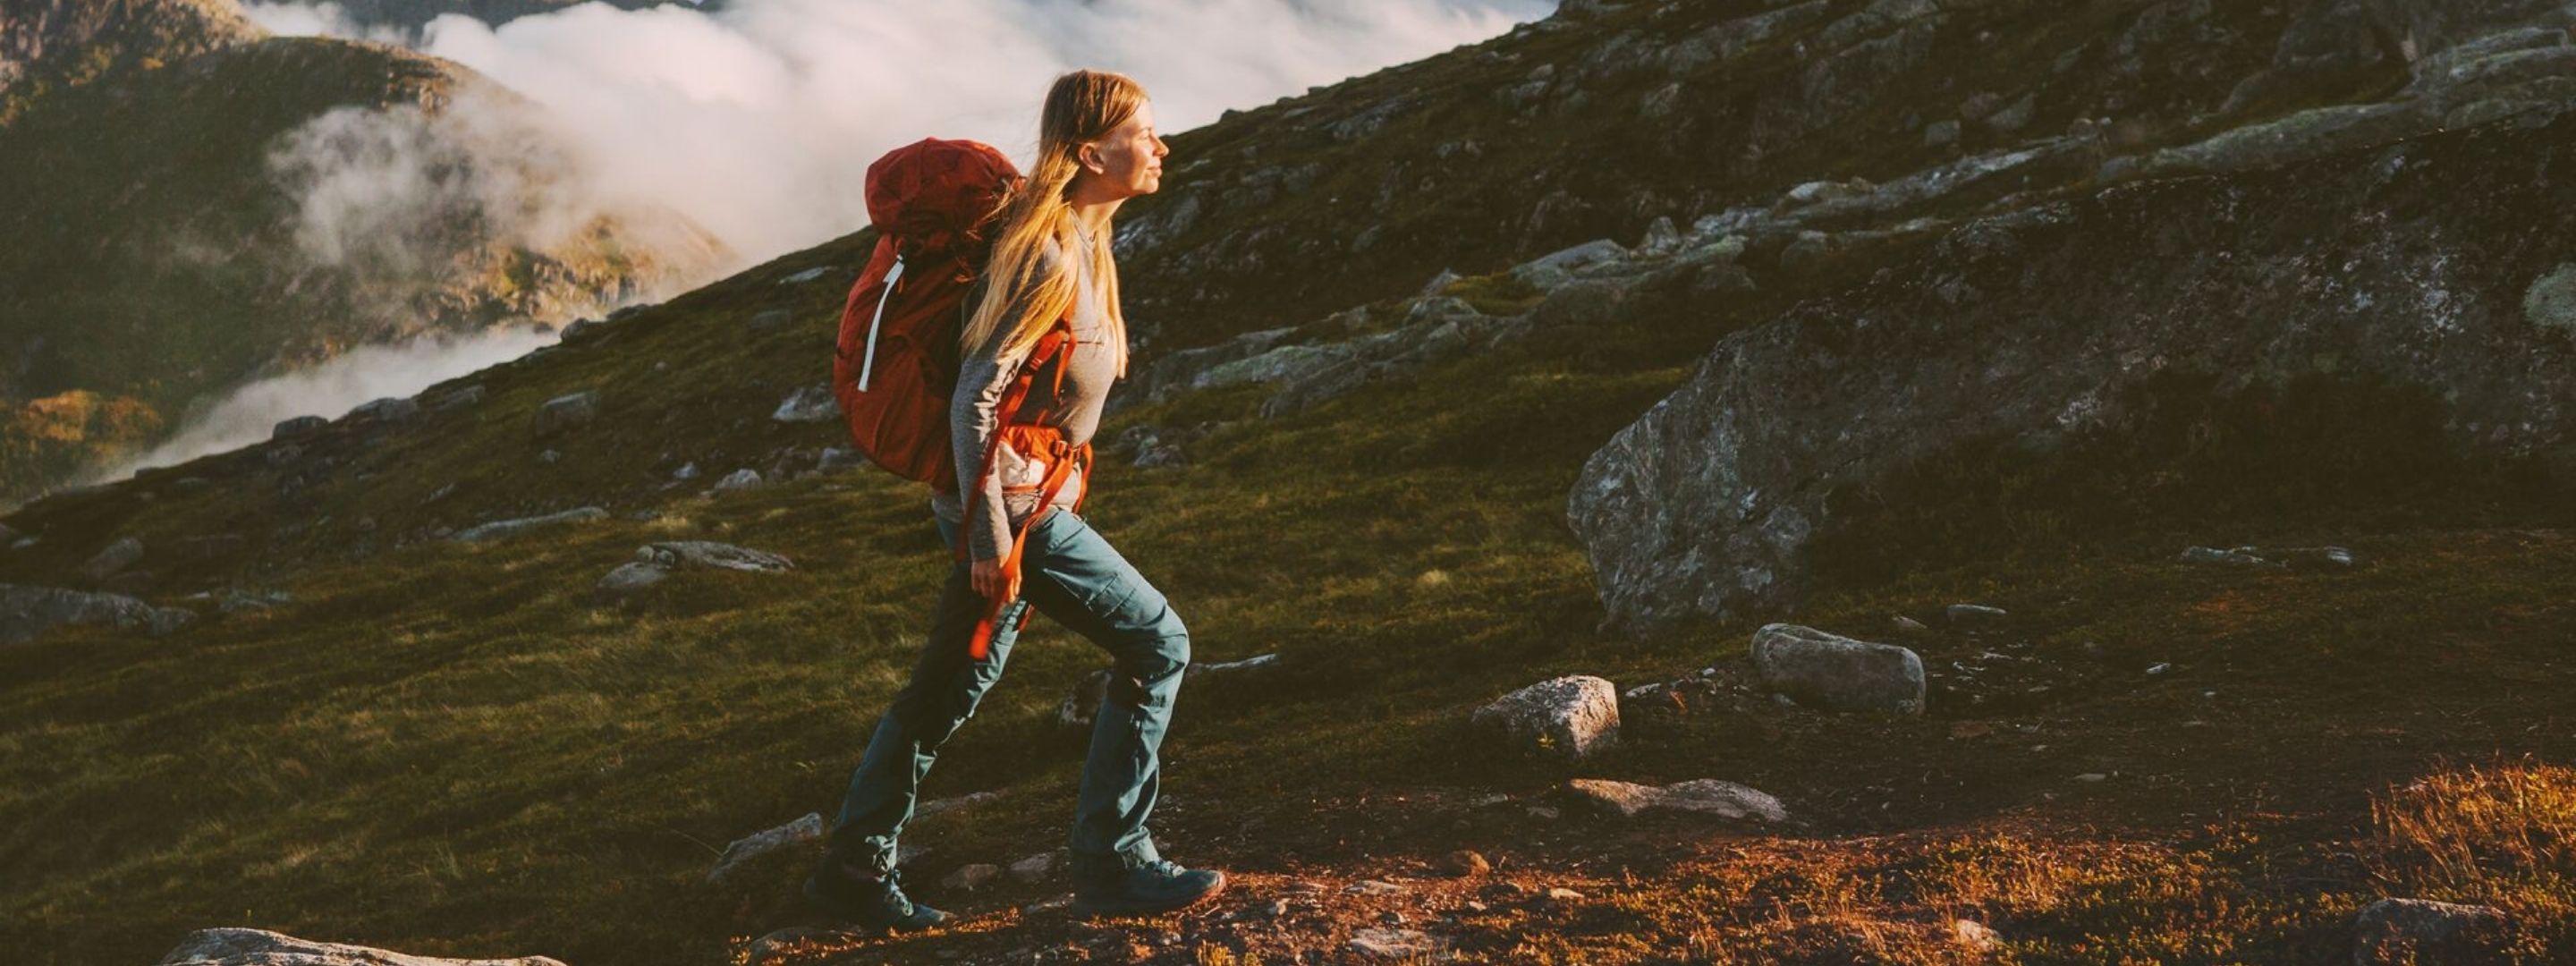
(465, 748)
(264, 206)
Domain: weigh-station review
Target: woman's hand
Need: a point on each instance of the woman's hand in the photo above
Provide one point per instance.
(992, 583)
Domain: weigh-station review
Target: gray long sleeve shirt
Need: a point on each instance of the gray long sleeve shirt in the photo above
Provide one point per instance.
(983, 375)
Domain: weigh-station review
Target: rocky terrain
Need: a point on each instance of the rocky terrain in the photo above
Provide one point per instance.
(1826, 482)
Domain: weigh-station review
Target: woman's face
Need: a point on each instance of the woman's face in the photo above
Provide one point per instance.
(1128, 161)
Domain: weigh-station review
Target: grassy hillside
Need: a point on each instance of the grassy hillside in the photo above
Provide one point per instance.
(459, 750)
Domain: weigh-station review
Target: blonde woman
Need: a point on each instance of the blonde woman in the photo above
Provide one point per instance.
(1096, 149)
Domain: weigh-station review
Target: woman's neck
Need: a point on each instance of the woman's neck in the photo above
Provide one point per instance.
(1091, 208)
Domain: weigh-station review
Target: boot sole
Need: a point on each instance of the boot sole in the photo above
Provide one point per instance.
(1087, 908)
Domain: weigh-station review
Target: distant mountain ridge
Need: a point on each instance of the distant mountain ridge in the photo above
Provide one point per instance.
(202, 205)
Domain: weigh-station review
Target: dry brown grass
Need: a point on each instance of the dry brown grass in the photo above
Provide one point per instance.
(2502, 835)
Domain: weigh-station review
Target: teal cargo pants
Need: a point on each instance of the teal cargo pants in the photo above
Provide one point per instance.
(1072, 575)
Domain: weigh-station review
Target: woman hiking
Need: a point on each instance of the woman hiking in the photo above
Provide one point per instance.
(1050, 260)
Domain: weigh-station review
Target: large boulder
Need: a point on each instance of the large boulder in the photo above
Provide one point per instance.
(2062, 325)
(1569, 717)
(233, 946)
(1838, 673)
(26, 612)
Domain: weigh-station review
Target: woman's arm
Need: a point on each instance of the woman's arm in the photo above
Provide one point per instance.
(973, 418)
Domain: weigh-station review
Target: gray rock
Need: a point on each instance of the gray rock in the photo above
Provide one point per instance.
(1710, 504)
(657, 561)
(110, 560)
(2012, 117)
(1699, 796)
(582, 330)
(944, 805)
(2550, 303)
(1223, 667)
(509, 528)
(1940, 134)
(1587, 302)
(972, 878)
(1838, 673)
(1908, 626)
(567, 413)
(1569, 717)
(839, 459)
(1033, 870)
(299, 427)
(742, 479)
(1377, 942)
(807, 275)
(770, 320)
(632, 577)
(234, 946)
(2232, 557)
(812, 404)
(458, 398)
(1439, 283)
(1559, 267)
(1973, 615)
(2391, 932)
(1374, 887)
(686, 472)
(709, 555)
(756, 849)
(386, 410)
(27, 612)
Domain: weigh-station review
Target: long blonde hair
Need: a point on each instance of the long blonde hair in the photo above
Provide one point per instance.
(1019, 292)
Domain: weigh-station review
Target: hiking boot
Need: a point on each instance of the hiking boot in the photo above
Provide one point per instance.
(866, 902)
(1156, 887)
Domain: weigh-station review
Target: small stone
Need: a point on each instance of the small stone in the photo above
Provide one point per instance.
(299, 426)
(1703, 796)
(237, 946)
(1909, 626)
(505, 528)
(1569, 717)
(805, 276)
(2393, 931)
(742, 479)
(2159, 668)
(1386, 943)
(1466, 863)
(770, 320)
(812, 404)
(566, 413)
(1838, 673)
(1975, 936)
(1034, 869)
(971, 878)
(2093, 777)
(1563, 896)
(1973, 615)
(1373, 887)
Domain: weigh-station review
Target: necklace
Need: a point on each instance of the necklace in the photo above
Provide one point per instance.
(1088, 243)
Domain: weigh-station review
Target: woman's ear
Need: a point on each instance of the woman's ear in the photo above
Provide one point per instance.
(1088, 156)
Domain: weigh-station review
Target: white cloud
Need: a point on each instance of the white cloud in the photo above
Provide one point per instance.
(758, 120)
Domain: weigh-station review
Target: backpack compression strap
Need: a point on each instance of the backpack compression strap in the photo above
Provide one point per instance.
(1054, 348)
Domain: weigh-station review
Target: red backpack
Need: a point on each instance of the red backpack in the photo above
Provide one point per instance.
(897, 363)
